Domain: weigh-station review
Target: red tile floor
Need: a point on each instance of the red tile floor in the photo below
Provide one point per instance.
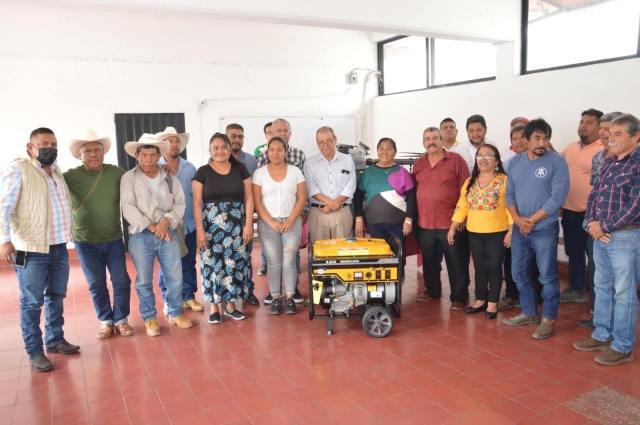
(437, 366)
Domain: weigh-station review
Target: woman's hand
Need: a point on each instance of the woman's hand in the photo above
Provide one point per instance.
(275, 224)
(247, 233)
(451, 236)
(359, 230)
(406, 228)
(286, 226)
(201, 239)
(507, 239)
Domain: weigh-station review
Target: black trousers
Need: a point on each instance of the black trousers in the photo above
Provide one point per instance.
(429, 241)
(488, 250)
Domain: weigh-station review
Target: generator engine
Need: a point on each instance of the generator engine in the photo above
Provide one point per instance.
(342, 298)
(356, 274)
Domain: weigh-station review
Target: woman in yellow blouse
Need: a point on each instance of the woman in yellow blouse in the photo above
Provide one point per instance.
(483, 204)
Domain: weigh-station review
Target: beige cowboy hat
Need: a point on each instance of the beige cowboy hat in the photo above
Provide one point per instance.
(169, 132)
(147, 139)
(88, 136)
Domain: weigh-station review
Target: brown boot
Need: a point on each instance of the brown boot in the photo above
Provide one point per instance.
(181, 321)
(612, 358)
(546, 329)
(152, 327)
(592, 345)
(521, 320)
(193, 305)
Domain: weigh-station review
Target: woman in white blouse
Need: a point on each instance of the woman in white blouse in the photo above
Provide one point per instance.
(280, 194)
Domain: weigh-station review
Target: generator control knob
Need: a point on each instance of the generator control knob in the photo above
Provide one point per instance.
(368, 275)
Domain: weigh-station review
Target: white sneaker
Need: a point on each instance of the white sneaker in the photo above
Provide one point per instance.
(165, 309)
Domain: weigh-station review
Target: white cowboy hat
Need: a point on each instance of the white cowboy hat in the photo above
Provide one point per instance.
(147, 139)
(170, 131)
(88, 136)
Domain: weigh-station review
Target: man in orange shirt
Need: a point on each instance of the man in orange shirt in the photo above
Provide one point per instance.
(579, 156)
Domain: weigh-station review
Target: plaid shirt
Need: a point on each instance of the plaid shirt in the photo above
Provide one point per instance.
(11, 184)
(294, 157)
(596, 164)
(615, 198)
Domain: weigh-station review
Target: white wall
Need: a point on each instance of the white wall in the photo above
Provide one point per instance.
(558, 96)
(74, 69)
(487, 20)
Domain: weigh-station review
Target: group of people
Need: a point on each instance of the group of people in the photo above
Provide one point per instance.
(461, 200)
(505, 208)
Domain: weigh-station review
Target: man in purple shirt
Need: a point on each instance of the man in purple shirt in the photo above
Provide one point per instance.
(613, 214)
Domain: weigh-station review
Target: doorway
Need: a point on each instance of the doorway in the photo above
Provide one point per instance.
(129, 128)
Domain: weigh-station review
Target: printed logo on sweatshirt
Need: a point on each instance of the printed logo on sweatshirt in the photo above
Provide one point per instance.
(541, 172)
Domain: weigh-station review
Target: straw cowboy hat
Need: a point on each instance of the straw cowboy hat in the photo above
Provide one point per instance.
(88, 136)
(170, 131)
(147, 139)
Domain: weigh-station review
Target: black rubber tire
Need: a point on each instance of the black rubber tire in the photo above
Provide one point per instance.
(377, 322)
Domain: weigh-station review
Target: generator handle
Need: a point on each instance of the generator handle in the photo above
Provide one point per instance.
(400, 257)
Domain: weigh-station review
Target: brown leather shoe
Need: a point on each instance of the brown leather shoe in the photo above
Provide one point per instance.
(457, 306)
(507, 302)
(105, 331)
(181, 321)
(521, 320)
(193, 305)
(546, 329)
(424, 297)
(612, 358)
(591, 344)
(125, 329)
(152, 327)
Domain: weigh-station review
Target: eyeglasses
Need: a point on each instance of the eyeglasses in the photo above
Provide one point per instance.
(487, 156)
(325, 142)
(236, 136)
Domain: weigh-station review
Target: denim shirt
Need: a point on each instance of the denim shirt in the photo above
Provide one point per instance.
(186, 171)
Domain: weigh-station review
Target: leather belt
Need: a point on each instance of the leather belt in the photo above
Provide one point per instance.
(321, 206)
(628, 227)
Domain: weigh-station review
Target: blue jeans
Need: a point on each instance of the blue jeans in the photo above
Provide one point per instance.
(385, 230)
(544, 244)
(95, 259)
(144, 247)
(281, 250)
(43, 281)
(575, 246)
(189, 274)
(591, 274)
(617, 274)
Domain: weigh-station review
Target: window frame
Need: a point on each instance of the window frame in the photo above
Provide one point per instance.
(429, 67)
(381, 65)
(524, 40)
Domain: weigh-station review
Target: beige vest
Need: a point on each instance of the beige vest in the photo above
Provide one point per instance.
(30, 222)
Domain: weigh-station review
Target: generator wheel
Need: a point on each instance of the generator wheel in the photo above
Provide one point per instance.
(377, 322)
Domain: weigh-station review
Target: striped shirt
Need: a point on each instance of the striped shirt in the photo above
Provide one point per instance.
(615, 198)
(61, 229)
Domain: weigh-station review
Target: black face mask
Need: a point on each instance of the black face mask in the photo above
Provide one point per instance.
(47, 156)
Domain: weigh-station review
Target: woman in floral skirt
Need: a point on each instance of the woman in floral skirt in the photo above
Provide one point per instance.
(223, 211)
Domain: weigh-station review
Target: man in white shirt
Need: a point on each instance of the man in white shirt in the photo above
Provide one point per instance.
(331, 183)
(476, 132)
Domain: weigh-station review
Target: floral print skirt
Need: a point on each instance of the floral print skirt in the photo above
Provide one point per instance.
(225, 262)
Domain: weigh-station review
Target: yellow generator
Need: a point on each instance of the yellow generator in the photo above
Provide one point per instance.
(356, 274)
